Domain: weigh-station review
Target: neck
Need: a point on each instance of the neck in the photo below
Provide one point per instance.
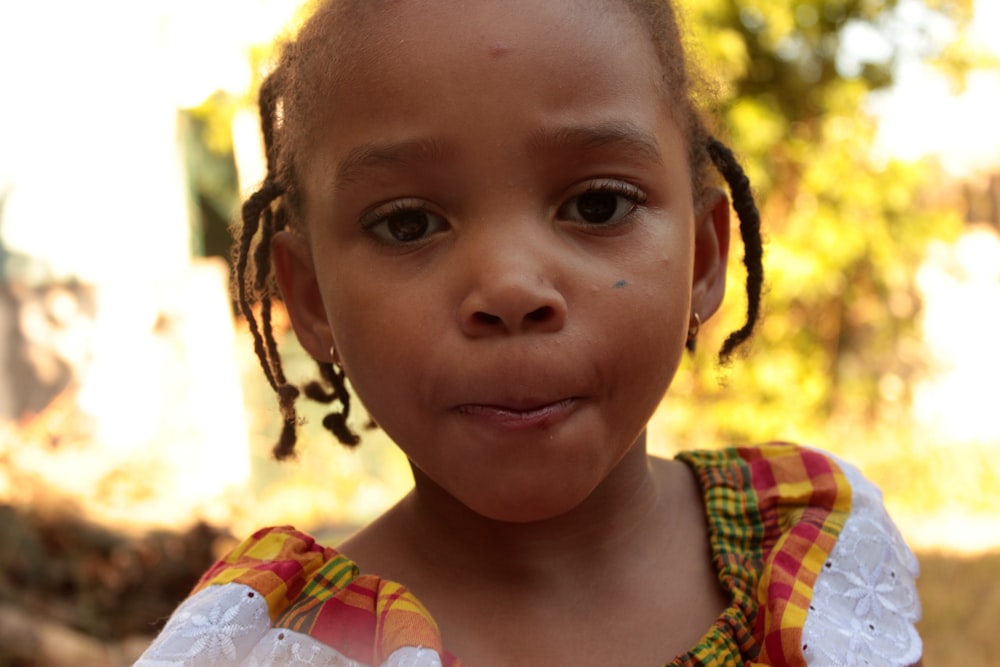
(450, 537)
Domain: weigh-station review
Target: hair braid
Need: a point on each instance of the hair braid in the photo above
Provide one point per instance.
(256, 209)
(753, 253)
(253, 211)
(335, 422)
(265, 213)
(267, 103)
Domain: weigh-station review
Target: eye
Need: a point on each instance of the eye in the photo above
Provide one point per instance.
(603, 203)
(403, 222)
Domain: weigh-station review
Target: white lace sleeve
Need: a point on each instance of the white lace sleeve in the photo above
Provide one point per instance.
(218, 625)
(229, 625)
(865, 604)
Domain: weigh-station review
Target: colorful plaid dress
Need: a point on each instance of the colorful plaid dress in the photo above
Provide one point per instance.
(816, 571)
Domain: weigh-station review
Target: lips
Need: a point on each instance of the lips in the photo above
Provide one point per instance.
(518, 415)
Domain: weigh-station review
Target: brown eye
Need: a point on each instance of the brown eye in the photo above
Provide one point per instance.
(598, 206)
(407, 226)
(602, 204)
(404, 223)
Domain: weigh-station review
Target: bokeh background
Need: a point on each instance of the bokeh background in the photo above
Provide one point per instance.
(135, 426)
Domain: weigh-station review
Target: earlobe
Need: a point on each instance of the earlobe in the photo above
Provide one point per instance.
(711, 250)
(296, 276)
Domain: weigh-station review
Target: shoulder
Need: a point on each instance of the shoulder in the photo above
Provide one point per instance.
(275, 562)
(280, 597)
(775, 478)
(865, 600)
(832, 576)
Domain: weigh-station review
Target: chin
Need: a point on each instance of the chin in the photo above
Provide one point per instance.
(529, 507)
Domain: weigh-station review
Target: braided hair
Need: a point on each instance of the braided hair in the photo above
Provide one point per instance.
(265, 213)
(285, 100)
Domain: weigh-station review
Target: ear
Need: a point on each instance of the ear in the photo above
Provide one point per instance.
(296, 275)
(711, 250)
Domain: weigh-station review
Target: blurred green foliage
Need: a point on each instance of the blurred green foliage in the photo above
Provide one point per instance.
(212, 180)
(837, 349)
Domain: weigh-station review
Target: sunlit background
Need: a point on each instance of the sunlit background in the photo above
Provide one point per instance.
(135, 426)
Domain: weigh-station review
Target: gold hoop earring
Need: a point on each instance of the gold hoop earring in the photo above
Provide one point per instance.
(693, 328)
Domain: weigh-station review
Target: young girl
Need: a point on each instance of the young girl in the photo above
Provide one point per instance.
(498, 221)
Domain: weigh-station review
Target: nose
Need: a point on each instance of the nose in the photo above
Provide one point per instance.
(511, 293)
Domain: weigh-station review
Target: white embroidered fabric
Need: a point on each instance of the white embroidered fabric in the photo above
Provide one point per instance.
(229, 625)
(865, 603)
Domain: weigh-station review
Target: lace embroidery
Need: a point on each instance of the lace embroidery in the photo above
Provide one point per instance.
(865, 602)
(280, 647)
(217, 626)
(414, 656)
(229, 625)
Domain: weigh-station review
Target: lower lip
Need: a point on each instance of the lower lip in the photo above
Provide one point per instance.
(542, 417)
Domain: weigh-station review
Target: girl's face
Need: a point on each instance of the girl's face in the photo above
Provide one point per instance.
(503, 246)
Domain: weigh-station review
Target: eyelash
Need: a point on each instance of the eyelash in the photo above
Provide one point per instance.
(621, 188)
(380, 213)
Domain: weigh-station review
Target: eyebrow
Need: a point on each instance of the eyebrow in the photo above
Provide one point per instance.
(375, 155)
(623, 136)
(620, 135)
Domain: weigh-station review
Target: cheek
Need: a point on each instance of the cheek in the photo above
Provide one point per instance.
(381, 333)
(368, 335)
(651, 341)
(658, 293)
(651, 321)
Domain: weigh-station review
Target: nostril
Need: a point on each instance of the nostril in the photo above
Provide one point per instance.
(486, 318)
(540, 314)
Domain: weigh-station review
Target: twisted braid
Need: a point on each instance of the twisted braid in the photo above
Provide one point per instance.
(753, 249)
(264, 214)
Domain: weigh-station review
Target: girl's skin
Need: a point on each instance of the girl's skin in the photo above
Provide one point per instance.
(503, 247)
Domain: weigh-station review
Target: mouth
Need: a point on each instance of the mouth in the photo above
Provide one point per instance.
(519, 415)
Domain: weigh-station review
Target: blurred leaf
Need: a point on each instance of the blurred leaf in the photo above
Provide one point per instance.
(845, 234)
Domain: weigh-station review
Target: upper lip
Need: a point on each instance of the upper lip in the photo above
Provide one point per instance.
(516, 404)
(521, 381)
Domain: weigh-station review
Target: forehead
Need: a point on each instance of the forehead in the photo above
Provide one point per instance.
(372, 19)
(485, 77)
(398, 43)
